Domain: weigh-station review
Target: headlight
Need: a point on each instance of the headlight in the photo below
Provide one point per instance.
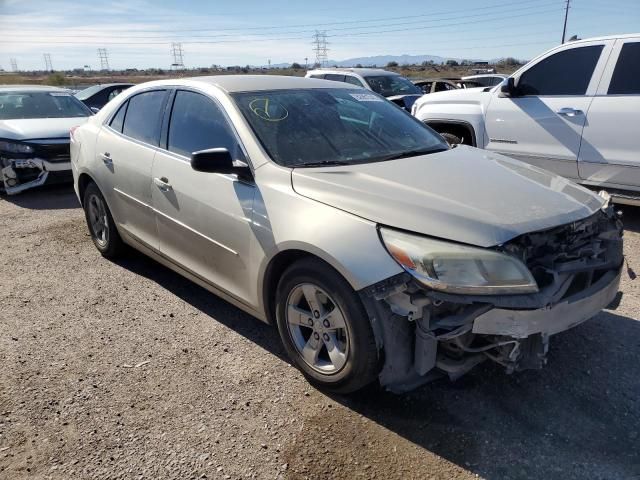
(457, 268)
(14, 147)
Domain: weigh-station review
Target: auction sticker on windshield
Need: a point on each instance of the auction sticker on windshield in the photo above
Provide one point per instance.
(366, 97)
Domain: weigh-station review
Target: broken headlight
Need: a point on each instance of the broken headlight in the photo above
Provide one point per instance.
(458, 268)
(14, 147)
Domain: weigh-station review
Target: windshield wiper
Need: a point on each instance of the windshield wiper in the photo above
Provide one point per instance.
(415, 153)
(322, 163)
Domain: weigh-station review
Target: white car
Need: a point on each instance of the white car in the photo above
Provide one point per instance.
(573, 110)
(391, 85)
(34, 135)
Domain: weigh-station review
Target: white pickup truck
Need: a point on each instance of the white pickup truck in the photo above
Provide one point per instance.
(574, 110)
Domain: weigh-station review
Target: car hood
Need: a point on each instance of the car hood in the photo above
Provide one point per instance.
(38, 128)
(463, 194)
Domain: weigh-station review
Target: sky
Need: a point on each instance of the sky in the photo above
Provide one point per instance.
(139, 33)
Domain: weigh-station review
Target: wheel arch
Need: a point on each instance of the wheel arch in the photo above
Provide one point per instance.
(84, 179)
(456, 127)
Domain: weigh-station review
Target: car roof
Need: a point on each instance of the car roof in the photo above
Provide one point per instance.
(31, 88)
(365, 72)
(116, 84)
(250, 83)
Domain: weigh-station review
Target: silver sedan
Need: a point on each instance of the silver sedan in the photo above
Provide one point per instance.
(378, 251)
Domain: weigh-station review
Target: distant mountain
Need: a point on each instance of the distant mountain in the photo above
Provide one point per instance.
(383, 60)
(378, 60)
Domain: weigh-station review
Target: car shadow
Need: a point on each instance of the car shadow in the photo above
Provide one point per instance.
(576, 418)
(630, 217)
(47, 197)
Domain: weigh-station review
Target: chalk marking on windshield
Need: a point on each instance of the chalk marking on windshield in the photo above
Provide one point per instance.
(271, 112)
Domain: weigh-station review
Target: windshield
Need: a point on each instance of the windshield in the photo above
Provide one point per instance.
(309, 127)
(18, 105)
(390, 85)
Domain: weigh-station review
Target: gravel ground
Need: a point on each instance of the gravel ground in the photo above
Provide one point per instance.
(126, 370)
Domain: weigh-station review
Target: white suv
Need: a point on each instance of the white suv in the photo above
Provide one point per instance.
(573, 110)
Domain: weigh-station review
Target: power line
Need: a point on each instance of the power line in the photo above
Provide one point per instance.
(47, 62)
(386, 24)
(176, 51)
(320, 47)
(376, 31)
(14, 65)
(104, 59)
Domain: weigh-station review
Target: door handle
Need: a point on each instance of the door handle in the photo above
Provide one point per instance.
(162, 183)
(569, 112)
(106, 158)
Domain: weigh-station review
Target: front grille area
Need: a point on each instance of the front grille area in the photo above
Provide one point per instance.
(581, 251)
(52, 152)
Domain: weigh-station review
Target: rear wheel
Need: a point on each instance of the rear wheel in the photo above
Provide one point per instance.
(324, 327)
(451, 138)
(102, 228)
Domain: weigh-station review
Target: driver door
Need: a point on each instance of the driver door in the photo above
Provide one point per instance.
(543, 124)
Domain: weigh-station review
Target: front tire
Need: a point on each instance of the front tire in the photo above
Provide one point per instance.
(451, 138)
(102, 228)
(324, 328)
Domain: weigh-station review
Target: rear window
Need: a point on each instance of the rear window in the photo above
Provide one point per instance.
(143, 117)
(19, 105)
(626, 76)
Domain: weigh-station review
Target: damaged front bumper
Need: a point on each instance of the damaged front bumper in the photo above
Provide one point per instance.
(19, 175)
(424, 334)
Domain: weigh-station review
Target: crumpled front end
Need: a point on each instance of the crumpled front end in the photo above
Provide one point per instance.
(22, 171)
(426, 334)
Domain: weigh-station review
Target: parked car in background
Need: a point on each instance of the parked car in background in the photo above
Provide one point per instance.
(486, 80)
(391, 85)
(376, 249)
(34, 135)
(97, 96)
(573, 110)
(431, 85)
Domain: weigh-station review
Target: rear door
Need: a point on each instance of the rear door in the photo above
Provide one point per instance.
(203, 219)
(543, 124)
(611, 139)
(126, 148)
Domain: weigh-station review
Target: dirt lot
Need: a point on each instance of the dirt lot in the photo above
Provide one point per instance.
(126, 370)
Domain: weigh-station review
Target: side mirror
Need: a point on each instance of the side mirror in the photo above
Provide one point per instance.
(218, 160)
(508, 88)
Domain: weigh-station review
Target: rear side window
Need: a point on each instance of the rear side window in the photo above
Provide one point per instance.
(197, 123)
(334, 77)
(564, 73)
(118, 119)
(143, 117)
(626, 76)
(320, 76)
(353, 80)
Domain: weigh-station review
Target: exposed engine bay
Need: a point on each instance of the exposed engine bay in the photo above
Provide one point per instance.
(426, 334)
(20, 172)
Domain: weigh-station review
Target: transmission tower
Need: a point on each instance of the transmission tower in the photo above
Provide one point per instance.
(104, 59)
(14, 65)
(176, 51)
(320, 47)
(47, 62)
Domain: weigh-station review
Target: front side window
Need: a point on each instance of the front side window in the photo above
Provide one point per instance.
(197, 123)
(19, 105)
(390, 85)
(626, 76)
(308, 127)
(564, 73)
(144, 115)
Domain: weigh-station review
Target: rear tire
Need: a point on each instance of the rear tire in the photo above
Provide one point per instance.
(325, 328)
(102, 228)
(451, 138)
